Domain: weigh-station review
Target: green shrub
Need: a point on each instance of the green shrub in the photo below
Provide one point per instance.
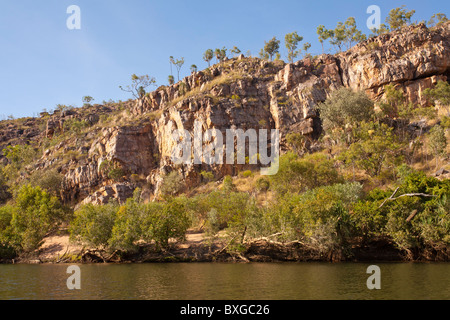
(49, 180)
(228, 183)
(116, 174)
(344, 107)
(247, 173)
(36, 214)
(165, 221)
(323, 216)
(414, 221)
(127, 229)
(262, 184)
(376, 148)
(300, 174)
(172, 184)
(8, 241)
(20, 154)
(93, 225)
(4, 192)
(75, 125)
(445, 122)
(113, 170)
(208, 176)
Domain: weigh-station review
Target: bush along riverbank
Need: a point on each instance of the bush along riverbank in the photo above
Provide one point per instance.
(335, 222)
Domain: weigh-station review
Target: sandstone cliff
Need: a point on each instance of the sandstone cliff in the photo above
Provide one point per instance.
(242, 93)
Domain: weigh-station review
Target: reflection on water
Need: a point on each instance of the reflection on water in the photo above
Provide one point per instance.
(214, 281)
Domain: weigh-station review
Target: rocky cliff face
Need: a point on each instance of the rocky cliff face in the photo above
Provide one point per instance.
(244, 93)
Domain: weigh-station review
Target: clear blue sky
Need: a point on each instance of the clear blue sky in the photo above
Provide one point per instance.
(43, 63)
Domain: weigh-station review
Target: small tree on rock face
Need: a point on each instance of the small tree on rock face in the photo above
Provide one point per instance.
(171, 80)
(324, 34)
(381, 30)
(399, 18)
(338, 36)
(437, 19)
(172, 184)
(138, 85)
(345, 107)
(271, 48)
(306, 47)
(394, 101)
(263, 55)
(208, 56)
(291, 41)
(374, 150)
(87, 100)
(235, 51)
(352, 34)
(345, 35)
(171, 62)
(178, 64)
(193, 68)
(220, 54)
(440, 93)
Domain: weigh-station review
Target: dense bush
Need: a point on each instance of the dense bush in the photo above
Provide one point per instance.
(24, 224)
(127, 228)
(114, 227)
(299, 174)
(48, 180)
(166, 222)
(419, 221)
(376, 148)
(8, 241)
(345, 107)
(415, 217)
(93, 225)
(323, 215)
(172, 184)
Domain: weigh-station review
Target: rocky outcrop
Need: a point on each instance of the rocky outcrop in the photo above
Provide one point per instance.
(414, 58)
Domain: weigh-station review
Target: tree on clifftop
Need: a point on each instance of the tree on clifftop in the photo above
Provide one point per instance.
(291, 41)
(440, 17)
(178, 64)
(270, 49)
(208, 56)
(399, 18)
(138, 85)
(324, 34)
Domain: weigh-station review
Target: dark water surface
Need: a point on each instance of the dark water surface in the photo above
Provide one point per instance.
(217, 281)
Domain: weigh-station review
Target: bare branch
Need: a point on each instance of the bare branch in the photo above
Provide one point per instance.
(406, 195)
(392, 195)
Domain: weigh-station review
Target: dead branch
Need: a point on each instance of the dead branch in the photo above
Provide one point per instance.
(226, 246)
(390, 198)
(406, 195)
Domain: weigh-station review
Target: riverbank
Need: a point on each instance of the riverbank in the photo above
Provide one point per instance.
(198, 248)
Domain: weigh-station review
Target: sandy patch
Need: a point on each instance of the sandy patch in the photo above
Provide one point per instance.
(54, 247)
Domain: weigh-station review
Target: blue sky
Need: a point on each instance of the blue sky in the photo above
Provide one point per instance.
(43, 63)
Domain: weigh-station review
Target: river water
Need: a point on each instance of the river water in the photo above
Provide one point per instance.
(221, 281)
